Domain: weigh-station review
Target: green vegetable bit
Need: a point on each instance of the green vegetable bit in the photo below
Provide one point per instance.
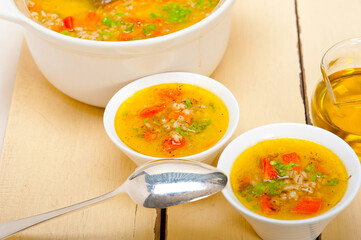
(129, 27)
(175, 13)
(146, 120)
(125, 113)
(333, 182)
(188, 103)
(148, 28)
(140, 136)
(255, 207)
(249, 199)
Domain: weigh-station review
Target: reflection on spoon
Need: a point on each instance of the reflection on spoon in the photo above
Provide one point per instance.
(158, 184)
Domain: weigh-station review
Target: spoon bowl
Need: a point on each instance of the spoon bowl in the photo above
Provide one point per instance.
(158, 184)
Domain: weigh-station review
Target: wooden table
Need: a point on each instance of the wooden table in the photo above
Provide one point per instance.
(56, 151)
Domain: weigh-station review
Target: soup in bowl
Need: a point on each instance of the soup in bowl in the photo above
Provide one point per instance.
(119, 20)
(92, 71)
(289, 178)
(172, 115)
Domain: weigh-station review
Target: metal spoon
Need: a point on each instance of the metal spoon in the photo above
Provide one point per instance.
(158, 184)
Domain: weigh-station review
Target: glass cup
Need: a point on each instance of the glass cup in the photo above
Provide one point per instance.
(336, 102)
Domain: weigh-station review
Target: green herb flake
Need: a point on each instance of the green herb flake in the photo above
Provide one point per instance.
(152, 15)
(178, 129)
(108, 34)
(149, 28)
(172, 121)
(184, 133)
(188, 103)
(175, 13)
(313, 178)
(125, 113)
(249, 199)
(333, 182)
(156, 123)
(140, 135)
(66, 32)
(135, 129)
(146, 120)
(255, 207)
(129, 27)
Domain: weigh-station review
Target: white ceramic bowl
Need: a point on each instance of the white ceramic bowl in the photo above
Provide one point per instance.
(93, 71)
(173, 77)
(306, 229)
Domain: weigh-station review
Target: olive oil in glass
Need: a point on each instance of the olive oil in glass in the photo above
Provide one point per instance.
(344, 117)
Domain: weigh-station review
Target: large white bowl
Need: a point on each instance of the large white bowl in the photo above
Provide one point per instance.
(211, 85)
(92, 71)
(306, 229)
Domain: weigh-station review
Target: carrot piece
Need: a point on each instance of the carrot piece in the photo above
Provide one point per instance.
(168, 93)
(291, 157)
(320, 169)
(170, 144)
(269, 172)
(56, 28)
(298, 169)
(266, 204)
(125, 37)
(149, 136)
(175, 115)
(92, 19)
(151, 111)
(69, 22)
(308, 206)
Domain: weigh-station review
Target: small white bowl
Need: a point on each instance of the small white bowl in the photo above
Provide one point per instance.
(172, 77)
(273, 229)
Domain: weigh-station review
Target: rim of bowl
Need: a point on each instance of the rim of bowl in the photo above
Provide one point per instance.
(231, 198)
(156, 79)
(119, 44)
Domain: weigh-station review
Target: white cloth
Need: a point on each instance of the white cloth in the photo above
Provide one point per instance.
(11, 38)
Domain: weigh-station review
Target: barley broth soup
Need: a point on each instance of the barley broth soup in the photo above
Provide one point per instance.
(119, 20)
(171, 120)
(288, 179)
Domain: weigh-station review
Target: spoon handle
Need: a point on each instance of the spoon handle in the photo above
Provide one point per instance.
(9, 228)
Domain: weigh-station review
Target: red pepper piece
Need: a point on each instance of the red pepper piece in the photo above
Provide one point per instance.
(69, 22)
(151, 111)
(170, 144)
(266, 204)
(291, 157)
(308, 206)
(269, 172)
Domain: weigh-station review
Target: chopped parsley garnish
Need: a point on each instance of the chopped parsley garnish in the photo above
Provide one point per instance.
(148, 28)
(333, 182)
(198, 127)
(188, 103)
(175, 13)
(255, 207)
(125, 113)
(272, 187)
(146, 120)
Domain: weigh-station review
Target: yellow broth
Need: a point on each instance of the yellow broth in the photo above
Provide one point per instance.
(302, 180)
(119, 20)
(171, 120)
